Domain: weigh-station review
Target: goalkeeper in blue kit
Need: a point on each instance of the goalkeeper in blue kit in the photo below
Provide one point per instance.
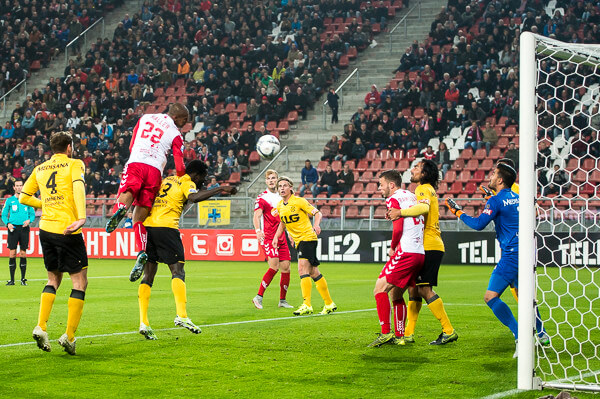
(503, 209)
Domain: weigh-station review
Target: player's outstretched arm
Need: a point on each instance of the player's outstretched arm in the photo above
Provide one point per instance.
(487, 192)
(206, 194)
(477, 223)
(419, 209)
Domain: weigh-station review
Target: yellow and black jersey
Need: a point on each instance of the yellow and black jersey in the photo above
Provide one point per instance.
(60, 203)
(168, 205)
(432, 237)
(294, 215)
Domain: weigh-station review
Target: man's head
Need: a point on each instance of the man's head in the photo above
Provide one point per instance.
(389, 182)
(425, 172)
(504, 176)
(61, 143)
(307, 164)
(197, 171)
(18, 186)
(271, 177)
(285, 186)
(179, 113)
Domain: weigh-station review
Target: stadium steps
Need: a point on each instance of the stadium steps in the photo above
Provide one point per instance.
(39, 79)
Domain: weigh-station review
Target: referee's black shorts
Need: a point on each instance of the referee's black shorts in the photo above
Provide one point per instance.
(19, 236)
(308, 250)
(164, 245)
(429, 273)
(63, 253)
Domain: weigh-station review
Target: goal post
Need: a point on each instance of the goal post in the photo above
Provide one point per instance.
(559, 218)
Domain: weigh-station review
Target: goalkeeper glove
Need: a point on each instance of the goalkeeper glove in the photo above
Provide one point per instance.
(454, 207)
(487, 193)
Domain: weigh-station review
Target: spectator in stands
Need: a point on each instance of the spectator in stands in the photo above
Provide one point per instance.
(512, 114)
(97, 185)
(300, 102)
(345, 180)
(309, 178)
(7, 131)
(213, 184)
(474, 137)
(221, 169)
(559, 183)
(429, 153)
(332, 101)
(328, 182)
(543, 156)
(359, 151)
(490, 136)
(331, 149)
(442, 158)
(476, 114)
(111, 183)
(513, 154)
(372, 98)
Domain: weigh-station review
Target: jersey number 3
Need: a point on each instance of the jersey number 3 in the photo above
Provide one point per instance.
(151, 132)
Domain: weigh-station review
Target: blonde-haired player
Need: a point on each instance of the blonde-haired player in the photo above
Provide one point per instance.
(277, 258)
(294, 213)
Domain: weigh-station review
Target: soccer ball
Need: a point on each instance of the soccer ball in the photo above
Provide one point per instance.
(268, 146)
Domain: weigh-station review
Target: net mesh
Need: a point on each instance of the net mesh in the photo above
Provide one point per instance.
(568, 211)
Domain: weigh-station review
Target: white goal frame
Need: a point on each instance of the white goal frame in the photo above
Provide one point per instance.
(528, 148)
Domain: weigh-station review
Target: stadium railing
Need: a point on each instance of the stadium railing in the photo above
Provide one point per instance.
(340, 91)
(6, 95)
(403, 21)
(84, 36)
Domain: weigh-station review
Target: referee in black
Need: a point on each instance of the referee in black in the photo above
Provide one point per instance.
(17, 218)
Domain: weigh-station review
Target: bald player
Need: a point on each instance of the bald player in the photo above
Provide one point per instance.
(153, 137)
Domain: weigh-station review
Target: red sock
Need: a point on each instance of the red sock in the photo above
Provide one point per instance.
(383, 311)
(141, 236)
(399, 317)
(284, 283)
(117, 206)
(266, 280)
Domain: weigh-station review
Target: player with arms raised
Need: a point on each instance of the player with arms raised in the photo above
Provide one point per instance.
(406, 260)
(153, 137)
(164, 240)
(294, 213)
(427, 175)
(60, 181)
(277, 258)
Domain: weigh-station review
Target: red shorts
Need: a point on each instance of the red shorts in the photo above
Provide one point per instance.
(402, 269)
(283, 252)
(141, 180)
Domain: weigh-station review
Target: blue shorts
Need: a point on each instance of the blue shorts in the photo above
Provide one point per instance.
(506, 273)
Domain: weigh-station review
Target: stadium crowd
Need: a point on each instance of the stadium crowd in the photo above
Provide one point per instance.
(268, 61)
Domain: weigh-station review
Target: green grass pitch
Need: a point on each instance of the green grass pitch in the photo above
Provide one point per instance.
(271, 355)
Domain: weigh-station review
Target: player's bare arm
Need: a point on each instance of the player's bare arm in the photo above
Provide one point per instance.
(422, 208)
(277, 235)
(258, 213)
(206, 194)
(317, 223)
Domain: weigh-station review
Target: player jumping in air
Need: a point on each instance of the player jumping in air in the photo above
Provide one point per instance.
(277, 258)
(62, 199)
(153, 137)
(503, 209)
(427, 175)
(294, 214)
(164, 240)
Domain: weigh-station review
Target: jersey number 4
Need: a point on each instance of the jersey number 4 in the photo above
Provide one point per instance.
(51, 183)
(151, 132)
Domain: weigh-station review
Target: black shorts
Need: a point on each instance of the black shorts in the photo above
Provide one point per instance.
(308, 250)
(63, 253)
(164, 245)
(429, 273)
(19, 236)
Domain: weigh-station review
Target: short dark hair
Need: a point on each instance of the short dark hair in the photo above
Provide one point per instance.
(507, 161)
(507, 173)
(431, 174)
(18, 179)
(59, 141)
(196, 166)
(393, 176)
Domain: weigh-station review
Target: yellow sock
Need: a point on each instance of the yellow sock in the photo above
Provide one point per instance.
(46, 303)
(144, 301)
(514, 292)
(306, 287)
(437, 308)
(179, 292)
(75, 309)
(413, 309)
(323, 289)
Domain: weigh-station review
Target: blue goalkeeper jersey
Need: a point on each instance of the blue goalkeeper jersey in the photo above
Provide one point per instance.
(503, 209)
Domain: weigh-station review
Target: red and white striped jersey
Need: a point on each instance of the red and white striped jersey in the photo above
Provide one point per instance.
(409, 234)
(267, 201)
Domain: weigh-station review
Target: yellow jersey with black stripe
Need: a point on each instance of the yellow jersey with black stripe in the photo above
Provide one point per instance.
(168, 205)
(432, 237)
(54, 179)
(294, 215)
(515, 188)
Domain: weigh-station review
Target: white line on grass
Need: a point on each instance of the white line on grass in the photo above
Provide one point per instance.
(504, 394)
(231, 323)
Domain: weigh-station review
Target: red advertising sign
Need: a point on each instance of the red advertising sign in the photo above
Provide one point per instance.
(235, 245)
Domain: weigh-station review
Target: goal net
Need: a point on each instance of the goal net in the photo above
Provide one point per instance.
(559, 213)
